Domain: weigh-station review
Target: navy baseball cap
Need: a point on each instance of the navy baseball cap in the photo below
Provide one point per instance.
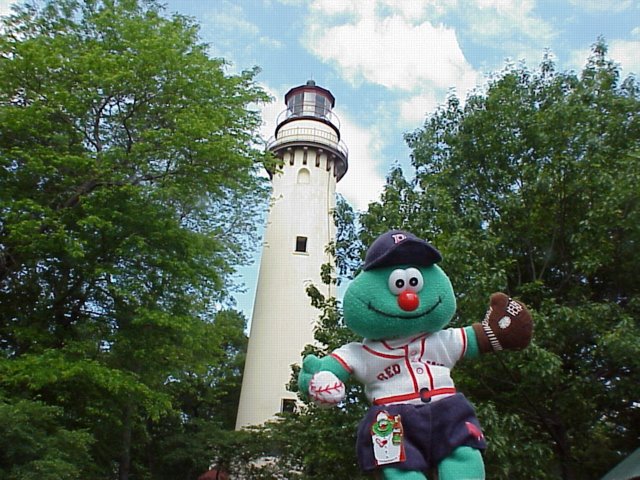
(397, 248)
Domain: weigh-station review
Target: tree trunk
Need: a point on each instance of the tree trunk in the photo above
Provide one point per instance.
(125, 453)
(563, 450)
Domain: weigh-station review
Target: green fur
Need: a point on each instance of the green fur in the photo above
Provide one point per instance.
(369, 291)
(372, 311)
(473, 350)
(312, 364)
(464, 463)
(391, 473)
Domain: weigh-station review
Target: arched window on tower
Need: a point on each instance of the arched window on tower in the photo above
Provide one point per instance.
(304, 176)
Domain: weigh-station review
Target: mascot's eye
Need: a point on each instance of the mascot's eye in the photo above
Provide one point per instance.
(398, 281)
(414, 280)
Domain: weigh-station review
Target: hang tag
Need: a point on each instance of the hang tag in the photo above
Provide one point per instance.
(387, 437)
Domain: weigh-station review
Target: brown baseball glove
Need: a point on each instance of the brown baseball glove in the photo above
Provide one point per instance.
(506, 326)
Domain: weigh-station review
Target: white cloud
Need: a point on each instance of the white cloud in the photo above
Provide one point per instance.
(378, 42)
(231, 35)
(414, 110)
(603, 5)
(578, 59)
(5, 7)
(270, 42)
(636, 32)
(270, 111)
(292, 2)
(331, 7)
(231, 19)
(362, 184)
(503, 19)
(625, 52)
(417, 10)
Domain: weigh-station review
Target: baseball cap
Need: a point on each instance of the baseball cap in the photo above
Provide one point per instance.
(397, 247)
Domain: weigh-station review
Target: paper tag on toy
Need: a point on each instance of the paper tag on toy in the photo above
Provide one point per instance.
(386, 433)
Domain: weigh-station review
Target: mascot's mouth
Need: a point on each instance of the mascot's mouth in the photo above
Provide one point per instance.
(407, 316)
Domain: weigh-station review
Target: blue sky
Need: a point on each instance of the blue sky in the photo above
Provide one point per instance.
(389, 63)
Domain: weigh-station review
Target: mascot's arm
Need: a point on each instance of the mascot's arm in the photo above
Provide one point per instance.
(312, 365)
(473, 349)
(507, 326)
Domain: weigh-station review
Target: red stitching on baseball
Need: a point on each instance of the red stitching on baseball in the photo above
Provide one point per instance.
(328, 388)
(316, 392)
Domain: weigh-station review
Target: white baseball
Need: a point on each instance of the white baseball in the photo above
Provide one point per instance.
(325, 389)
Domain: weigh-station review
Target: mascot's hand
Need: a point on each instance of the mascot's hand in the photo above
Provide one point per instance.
(506, 326)
(318, 383)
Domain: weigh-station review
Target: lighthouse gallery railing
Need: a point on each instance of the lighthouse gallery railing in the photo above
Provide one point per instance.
(295, 134)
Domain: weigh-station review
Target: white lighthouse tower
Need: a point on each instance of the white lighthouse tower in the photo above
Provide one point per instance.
(299, 228)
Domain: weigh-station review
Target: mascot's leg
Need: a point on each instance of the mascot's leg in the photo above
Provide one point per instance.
(395, 474)
(464, 463)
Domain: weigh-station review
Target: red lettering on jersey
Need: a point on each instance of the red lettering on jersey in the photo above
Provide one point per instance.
(389, 372)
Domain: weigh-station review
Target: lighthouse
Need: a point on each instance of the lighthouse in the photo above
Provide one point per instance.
(299, 228)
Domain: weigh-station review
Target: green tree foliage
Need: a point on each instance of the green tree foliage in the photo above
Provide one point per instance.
(183, 443)
(34, 445)
(348, 248)
(128, 194)
(311, 444)
(531, 187)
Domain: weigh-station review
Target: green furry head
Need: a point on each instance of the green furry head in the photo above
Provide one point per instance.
(372, 302)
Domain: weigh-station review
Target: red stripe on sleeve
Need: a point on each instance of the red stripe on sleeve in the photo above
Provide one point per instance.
(464, 343)
(342, 362)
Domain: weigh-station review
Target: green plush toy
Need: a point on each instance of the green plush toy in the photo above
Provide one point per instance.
(400, 304)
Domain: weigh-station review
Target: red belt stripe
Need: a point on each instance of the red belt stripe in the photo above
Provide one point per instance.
(413, 396)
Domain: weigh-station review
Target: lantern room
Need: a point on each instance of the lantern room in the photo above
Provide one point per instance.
(309, 122)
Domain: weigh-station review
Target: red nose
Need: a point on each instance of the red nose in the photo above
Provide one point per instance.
(408, 301)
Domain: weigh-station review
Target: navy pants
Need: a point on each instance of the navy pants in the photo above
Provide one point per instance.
(431, 431)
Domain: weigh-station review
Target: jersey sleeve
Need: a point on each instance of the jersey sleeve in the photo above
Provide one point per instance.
(350, 357)
(453, 345)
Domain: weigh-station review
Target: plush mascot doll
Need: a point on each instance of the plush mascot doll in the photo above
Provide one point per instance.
(400, 304)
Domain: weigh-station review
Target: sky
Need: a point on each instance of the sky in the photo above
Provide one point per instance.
(390, 63)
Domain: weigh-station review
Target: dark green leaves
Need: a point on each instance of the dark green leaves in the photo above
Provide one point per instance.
(531, 188)
(128, 196)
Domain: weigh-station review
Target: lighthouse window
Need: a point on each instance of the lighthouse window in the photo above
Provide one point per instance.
(322, 106)
(295, 104)
(288, 405)
(301, 244)
(304, 176)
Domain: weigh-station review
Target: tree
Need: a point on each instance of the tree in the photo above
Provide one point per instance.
(531, 188)
(128, 194)
(347, 249)
(183, 444)
(34, 444)
(311, 444)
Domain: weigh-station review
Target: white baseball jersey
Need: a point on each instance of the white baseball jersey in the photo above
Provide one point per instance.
(405, 370)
